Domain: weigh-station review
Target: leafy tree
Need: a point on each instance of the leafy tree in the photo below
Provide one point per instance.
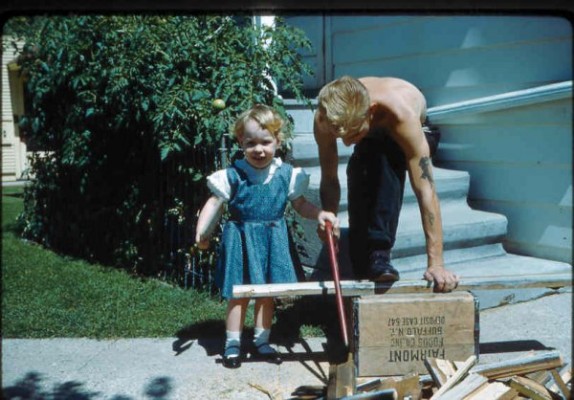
(124, 107)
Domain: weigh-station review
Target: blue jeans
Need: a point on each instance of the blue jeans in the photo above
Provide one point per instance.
(376, 175)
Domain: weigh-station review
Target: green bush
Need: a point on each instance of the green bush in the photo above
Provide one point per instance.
(123, 107)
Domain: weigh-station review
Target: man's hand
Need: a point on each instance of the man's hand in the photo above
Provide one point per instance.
(322, 218)
(444, 280)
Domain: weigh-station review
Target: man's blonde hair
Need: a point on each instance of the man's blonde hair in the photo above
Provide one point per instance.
(345, 103)
(265, 116)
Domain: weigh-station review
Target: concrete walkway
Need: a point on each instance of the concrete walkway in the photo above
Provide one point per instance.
(130, 369)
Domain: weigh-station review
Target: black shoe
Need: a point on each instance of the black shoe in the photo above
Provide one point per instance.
(272, 357)
(381, 269)
(232, 360)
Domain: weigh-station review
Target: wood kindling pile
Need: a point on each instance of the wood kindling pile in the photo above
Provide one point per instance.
(533, 376)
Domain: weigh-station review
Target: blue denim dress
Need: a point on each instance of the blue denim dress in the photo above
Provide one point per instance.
(255, 245)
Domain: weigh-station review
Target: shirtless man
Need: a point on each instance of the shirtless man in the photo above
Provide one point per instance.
(383, 118)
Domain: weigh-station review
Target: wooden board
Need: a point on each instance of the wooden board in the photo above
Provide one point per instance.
(520, 366)
(530, 388)
(342, 379)
(440, 370)
(393, 334)
(362, 288)
(493, 391)
(470, 384)
(457, 377)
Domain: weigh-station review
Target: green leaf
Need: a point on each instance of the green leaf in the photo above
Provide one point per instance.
(164, 152)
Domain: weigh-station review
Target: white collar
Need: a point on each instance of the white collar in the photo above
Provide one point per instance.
(257, 175)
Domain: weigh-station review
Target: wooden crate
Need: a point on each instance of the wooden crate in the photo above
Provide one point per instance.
(394, 333)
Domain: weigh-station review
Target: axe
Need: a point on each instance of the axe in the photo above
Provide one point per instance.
(335, 272)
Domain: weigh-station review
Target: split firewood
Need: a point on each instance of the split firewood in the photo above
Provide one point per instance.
(464, 388)
(542, 377)
(387, 394)
(520, 366)
(532, 389)
(368, 385)
(457, 377)
(493, 391)
(408, 386)
(439, 369)
(342, 379)
(561, 380)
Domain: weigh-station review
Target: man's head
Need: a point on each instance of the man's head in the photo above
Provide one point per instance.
(345, 104)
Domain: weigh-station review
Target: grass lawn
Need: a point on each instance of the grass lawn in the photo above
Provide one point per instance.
(47, 295)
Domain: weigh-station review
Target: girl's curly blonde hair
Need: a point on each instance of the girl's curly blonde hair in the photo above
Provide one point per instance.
(345, 103)
(265, 116)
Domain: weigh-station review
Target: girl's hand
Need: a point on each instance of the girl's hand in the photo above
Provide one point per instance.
(202, 243)
(322, 218)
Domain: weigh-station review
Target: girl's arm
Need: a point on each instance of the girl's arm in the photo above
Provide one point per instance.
(310, 211)
(207, 221)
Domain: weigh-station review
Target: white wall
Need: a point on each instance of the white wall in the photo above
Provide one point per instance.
(453, 58)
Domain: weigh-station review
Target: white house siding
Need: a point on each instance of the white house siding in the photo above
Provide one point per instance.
(314, 26)
(520, 164)
(13, 150)
(519, 159)
(454, 58)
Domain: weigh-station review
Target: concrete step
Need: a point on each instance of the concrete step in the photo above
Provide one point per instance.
(306, 153)
(450, 185)
(490, 265)
(463, 227)
(483, 261)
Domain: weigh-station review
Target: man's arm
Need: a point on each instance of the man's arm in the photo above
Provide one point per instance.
(330, 188)
(408, 134)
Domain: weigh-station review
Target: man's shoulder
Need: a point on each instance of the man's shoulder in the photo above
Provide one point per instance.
(388, 85)
(398, 97)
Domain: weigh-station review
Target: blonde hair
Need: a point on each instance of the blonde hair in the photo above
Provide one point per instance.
(345, 103)
(265, 116)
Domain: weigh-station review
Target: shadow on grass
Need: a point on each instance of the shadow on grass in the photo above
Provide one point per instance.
(31, 387)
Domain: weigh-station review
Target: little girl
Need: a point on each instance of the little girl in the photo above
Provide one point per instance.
(254, 247)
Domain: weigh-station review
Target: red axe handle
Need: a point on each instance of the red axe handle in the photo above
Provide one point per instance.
(336, 281)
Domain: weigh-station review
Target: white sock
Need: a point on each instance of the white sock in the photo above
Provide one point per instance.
(261, 341)
(232, 344)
